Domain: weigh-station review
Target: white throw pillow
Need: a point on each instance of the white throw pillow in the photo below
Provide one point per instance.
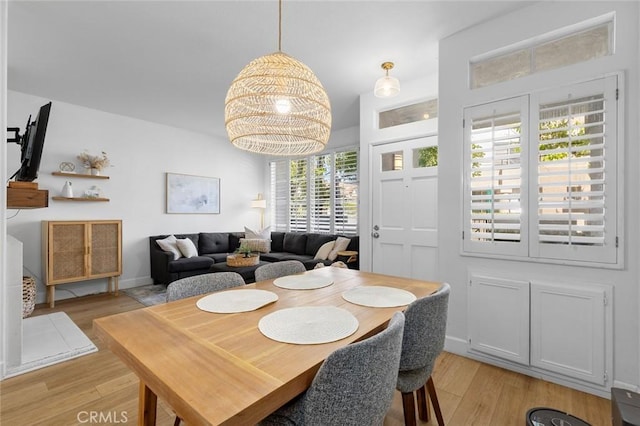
(187, 248)
(256, 244)
(264, 234)
(340, 245)
(324, 250)
(169, 245)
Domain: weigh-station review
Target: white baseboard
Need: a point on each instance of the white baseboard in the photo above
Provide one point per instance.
(86, 288)
(135, 282)
(627, 386)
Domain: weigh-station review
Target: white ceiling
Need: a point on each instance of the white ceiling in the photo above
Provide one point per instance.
(172, 61)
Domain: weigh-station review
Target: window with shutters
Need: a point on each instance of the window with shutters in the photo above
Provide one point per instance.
(298, 195)
(495, 190)
(541, 175)
(316, 194)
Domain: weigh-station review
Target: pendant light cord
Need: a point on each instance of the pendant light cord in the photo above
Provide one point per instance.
(279, 25)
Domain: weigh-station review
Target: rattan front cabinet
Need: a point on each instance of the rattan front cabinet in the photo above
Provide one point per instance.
(81, 250)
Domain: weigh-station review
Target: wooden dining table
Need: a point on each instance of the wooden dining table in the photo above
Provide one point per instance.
(219, 369)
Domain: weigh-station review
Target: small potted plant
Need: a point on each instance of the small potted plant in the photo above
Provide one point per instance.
(94, 163)
(244, 249)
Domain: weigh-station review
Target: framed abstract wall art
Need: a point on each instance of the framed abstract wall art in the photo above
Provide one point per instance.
(192, 194)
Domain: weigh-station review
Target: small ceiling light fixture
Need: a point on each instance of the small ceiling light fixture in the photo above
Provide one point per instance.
(277, 106)
(387, 87)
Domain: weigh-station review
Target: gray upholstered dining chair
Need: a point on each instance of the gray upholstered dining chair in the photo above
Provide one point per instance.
(279, 269)
(423, 341)
(201, 284)
(354, 385)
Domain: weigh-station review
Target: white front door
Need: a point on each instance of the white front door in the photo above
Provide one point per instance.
(404, 208)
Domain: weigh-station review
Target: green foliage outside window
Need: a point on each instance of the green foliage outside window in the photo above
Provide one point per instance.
(428, 157)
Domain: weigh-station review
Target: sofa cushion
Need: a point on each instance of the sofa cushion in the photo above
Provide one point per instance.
(170, 245)
(187, 248)
(278, 257)
(256, 244)
(341, 244)
(277, 241)
(214, 242)
(354, 244)
(217, 257)
(193, 237)
(234, 240)
(184, 264)
(324, 250)
(295, 242)
(274, 256)
(315, 241)
(264, 234)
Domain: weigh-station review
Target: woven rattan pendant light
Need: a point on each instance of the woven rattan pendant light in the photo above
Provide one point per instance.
(277, 106)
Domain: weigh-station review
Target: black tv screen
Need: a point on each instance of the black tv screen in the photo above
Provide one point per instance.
(32, 143)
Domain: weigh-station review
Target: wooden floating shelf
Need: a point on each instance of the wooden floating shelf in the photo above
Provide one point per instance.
(79, 199)
(80, 175)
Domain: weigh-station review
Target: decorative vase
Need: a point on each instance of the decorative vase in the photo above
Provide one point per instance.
(67, 190)
(95, 172)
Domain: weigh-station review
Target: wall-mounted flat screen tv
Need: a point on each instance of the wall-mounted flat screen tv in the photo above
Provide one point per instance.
(31, 142)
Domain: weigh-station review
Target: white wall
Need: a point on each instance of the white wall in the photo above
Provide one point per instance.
(141, 154)
(455, 52)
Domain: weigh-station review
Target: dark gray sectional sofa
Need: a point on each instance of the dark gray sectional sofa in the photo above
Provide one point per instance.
(213, 247)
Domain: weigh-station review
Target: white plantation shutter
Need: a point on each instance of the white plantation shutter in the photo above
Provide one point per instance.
(298, 196)
(495, 199)
(346, 193)
(279, 195)
(576, 171)
(316, 194)
(541, 175)
(321, 183)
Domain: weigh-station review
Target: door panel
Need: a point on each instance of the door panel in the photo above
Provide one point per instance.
(391, 196)
(568, 330)
(498, 312)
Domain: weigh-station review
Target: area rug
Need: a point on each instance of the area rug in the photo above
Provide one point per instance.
(148, 295)
(50, 339)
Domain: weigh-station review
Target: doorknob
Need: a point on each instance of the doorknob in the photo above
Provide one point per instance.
(376, 228)
(375, 235)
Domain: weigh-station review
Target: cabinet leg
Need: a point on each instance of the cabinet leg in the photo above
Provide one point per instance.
(113, 285)
(51, 295)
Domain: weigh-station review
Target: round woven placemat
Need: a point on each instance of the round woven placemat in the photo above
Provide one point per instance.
(240, 300)
(302, 282)
(308, 325)
(378, 296)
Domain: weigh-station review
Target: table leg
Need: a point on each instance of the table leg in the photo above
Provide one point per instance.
(147, 404)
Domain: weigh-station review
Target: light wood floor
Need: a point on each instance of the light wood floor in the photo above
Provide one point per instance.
(470, 393)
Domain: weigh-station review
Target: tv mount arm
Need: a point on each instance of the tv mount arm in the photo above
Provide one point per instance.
(16, 135)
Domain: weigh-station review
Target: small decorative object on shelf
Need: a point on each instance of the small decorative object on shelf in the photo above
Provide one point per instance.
(67, 167)
(92, 192)
(94, 163)
(67, 190)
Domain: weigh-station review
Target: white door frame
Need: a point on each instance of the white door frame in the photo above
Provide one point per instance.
(413, 236)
